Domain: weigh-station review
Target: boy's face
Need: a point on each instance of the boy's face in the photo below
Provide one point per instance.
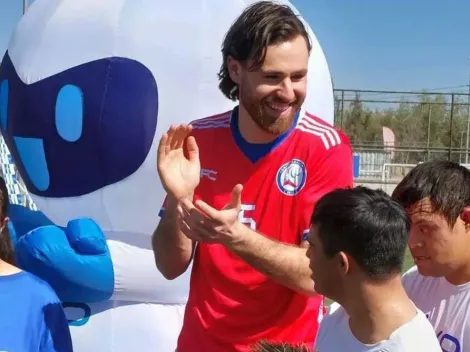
(438, 249)
(324, 273)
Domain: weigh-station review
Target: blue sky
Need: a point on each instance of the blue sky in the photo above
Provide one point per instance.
(372, 44)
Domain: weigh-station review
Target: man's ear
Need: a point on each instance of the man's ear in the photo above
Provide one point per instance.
(234, 69)
(465, 216)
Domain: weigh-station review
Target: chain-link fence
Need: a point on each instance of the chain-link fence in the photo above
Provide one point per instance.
(392, 131)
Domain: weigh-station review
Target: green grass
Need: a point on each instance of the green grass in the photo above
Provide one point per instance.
(408, 264)
(408, 261)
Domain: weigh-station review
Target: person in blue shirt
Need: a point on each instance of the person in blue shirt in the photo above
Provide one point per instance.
(31, 315)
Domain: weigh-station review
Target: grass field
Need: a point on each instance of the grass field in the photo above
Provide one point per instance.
(408, 261)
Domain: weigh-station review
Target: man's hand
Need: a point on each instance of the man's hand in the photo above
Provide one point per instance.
(287, 264)
(179, 174)
(203, 223)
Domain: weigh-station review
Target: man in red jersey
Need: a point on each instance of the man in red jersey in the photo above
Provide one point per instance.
(250, 279)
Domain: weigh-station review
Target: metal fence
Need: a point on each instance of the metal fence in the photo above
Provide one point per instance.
(425, 126)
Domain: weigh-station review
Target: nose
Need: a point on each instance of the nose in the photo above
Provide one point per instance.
(286, 91)
(415, 240)
(309, 252)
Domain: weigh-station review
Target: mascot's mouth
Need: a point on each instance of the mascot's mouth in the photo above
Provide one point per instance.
(33, 158)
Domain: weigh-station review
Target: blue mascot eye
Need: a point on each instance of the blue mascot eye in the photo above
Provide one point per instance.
(69, 113)
(3, 103)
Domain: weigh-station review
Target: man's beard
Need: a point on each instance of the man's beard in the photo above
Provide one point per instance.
(268, 123)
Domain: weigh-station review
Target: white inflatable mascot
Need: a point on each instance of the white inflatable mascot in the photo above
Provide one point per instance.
(87, 88)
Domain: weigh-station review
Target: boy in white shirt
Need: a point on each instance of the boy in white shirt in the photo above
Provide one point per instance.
(436, 195)
(357, 241)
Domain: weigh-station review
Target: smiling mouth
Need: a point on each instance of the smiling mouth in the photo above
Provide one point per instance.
(280, 107)
(33, 158)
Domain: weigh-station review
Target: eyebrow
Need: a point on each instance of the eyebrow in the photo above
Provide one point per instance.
(270, 72)
(423, 222)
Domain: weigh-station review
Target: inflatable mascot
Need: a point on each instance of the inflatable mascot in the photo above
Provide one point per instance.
(86, 90)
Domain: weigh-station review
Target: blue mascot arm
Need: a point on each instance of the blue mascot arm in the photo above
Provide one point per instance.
(74, 260)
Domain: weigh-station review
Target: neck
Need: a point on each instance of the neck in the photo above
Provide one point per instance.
(377, 309)
(460, 276)
(8, 269)
(250, 131)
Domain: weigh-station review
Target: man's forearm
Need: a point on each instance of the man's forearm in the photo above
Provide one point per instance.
(286, 264)
(172, 249)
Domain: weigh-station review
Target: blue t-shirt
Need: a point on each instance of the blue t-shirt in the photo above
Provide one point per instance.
(31, 316)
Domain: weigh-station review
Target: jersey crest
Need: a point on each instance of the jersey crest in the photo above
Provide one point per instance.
(291, 177)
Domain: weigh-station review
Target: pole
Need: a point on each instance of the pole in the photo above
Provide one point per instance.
(342, 109)
(451, 125)
(468, 118)
(25, 6)
(429, 131)
(461, 146)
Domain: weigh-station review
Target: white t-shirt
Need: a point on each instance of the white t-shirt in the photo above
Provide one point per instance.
(447, 307)
(335, 335)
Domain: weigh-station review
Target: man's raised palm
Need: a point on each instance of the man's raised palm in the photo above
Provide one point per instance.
(179, 169)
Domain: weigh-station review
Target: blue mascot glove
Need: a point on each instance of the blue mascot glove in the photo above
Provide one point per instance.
(75, 261)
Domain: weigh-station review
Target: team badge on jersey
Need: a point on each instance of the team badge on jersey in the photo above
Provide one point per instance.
(291, 177)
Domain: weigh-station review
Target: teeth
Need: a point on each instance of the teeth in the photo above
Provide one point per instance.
(278, 107)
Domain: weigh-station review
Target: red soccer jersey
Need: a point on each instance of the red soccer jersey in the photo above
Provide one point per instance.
(231, 305)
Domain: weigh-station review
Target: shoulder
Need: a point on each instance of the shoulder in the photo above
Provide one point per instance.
(55, 332)
(331, 326)
(329, 155)
(415, 284)
(410, 273)
(335, 315)
(214, 122)
(419, 323)
(45, 313)
(412, 279)
(405, 336)
(39, 289)
(320, 132)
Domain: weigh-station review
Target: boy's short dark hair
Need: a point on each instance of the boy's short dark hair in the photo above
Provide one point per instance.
(445, 183)
(367, 225)
(266, 346)
(261, 24)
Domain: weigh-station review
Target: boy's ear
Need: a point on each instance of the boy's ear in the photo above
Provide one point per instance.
(465, 215)
(343, 263)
